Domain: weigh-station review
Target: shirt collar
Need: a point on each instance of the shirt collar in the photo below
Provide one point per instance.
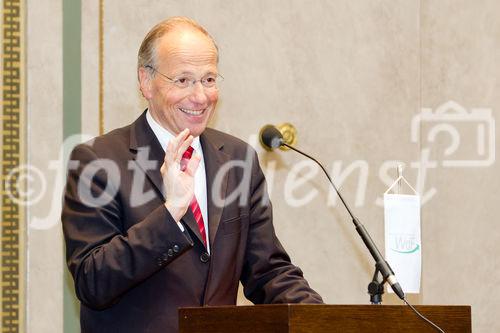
(164, 136)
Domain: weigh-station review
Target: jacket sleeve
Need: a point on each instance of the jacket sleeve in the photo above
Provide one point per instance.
(104, 259)
(268, 275)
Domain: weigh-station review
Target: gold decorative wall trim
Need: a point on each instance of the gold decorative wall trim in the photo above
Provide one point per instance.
(12, 254)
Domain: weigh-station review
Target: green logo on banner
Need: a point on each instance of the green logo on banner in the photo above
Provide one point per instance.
(409, 251)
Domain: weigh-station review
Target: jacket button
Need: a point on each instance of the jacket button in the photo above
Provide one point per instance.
(170, 252)
(205, 257)
(176, 248)
(160, 262)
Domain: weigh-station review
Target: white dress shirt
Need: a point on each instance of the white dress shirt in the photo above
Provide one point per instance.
(200, 180)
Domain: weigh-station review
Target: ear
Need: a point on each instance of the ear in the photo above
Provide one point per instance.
(145, 83)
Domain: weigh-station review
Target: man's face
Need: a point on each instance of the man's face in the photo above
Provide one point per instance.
(183, 53)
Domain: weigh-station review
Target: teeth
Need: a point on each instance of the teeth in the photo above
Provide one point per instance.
(192, 112)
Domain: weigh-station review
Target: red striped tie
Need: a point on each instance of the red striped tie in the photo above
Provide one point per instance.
(195, 207)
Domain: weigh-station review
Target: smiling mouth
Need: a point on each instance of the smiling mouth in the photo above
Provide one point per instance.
(193, 112)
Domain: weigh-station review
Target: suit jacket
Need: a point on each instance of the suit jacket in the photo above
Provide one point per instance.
(133, 266)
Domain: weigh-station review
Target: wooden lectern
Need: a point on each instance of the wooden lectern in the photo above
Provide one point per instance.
(309, 318)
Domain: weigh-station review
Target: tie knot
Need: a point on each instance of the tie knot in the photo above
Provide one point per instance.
(186, 157)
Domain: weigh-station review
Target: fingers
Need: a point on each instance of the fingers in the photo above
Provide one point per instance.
(177, 146)
(176, 142)
(193, 164)
(184, 146)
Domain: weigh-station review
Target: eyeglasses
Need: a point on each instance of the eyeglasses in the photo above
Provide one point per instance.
(208, 81)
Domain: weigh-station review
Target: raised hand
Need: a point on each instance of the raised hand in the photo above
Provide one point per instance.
(179, 185)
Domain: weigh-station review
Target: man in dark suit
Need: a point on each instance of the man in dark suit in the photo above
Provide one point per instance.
(149, 227)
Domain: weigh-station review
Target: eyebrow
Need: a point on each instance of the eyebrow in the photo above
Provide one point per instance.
(192, 74)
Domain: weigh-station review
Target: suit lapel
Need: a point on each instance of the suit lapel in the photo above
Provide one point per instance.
(148, 153)
(214, 158)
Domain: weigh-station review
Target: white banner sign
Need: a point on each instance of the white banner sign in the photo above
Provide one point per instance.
(403, 249)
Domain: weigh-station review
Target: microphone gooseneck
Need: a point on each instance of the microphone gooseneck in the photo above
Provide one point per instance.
(380, 263)
(271, 138)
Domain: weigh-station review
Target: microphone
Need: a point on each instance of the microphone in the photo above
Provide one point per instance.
(271, 138)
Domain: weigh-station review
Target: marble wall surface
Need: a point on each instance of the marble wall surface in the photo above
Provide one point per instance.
(460, 61)
(44, 137)
(350, 75)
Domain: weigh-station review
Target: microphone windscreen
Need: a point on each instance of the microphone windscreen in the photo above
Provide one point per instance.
(270, 137)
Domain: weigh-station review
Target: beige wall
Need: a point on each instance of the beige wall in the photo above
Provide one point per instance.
(44, 137)
(350, 75)
(461, 61)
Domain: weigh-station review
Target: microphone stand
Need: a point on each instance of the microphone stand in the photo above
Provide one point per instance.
(375, 287)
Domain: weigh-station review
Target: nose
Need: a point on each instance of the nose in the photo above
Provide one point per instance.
(198, 93)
